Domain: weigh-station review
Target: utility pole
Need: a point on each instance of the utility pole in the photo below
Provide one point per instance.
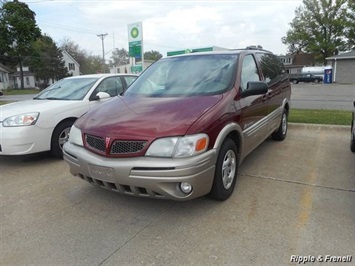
(102, 37)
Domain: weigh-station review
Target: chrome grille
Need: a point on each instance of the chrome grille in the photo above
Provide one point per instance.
(127, 147)
(95, 143)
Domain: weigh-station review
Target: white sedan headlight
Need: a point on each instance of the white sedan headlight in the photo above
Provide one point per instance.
(75, 136)
(27, 119)
(178, 147)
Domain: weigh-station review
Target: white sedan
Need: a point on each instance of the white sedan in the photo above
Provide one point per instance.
(43, 123)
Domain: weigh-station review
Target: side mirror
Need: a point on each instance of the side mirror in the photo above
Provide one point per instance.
(101, 95)
(255, 88)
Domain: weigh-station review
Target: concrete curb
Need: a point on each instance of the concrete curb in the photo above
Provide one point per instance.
(317, 127)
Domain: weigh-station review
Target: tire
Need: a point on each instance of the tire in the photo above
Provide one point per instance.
(59, 137)
(294, 81)
(280, 133)
(352, 142)
(226, 171)
(316, 81)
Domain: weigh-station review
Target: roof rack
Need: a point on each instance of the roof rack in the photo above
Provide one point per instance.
(252, 47)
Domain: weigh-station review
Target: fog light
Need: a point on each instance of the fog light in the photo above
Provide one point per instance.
(186, 188)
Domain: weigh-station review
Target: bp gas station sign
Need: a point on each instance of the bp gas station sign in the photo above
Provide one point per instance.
(135, 40)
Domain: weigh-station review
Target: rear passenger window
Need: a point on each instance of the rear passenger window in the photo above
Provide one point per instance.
(249, 72)
(272, 68)
(129, 80)
(112, 86)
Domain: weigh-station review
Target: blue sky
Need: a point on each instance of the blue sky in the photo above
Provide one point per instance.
(167, 25)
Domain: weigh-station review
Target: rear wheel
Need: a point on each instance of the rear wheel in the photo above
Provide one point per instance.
(226, 171)
(59, 137)
(294, 81)
(280, 133)
(316, 81)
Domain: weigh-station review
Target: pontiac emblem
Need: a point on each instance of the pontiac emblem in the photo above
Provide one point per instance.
(107, 143)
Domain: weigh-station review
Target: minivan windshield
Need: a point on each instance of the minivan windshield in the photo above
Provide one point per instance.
(186, 76)
(67, 89)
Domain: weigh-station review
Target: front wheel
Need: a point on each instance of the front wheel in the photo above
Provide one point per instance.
(294, 81)
(352, 142)
(280, 133)
(226, 171)
(59, 137)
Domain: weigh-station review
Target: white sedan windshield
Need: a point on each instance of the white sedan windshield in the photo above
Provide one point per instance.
(67, 89)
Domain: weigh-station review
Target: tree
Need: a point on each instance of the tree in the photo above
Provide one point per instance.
(18, 31)
(350, 30)
(119, 57)
(319, 27)
(152, 55)
(94, 64)
(47, 60)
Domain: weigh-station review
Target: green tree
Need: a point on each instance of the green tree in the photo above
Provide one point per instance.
(152, 55)
(47, 60)
(18, 32)
(319, 27)
(350, 30)
(94, 64)
(119, 57)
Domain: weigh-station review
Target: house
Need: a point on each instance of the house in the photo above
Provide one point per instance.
(343, 67)
(4, 77)
(30, 81)
(72, 66)
(296, 61)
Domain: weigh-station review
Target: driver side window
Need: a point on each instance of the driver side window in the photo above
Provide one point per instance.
(249, 72)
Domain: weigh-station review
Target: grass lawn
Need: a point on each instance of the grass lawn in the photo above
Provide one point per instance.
(20, 92)
(2, 103)
(323, 116)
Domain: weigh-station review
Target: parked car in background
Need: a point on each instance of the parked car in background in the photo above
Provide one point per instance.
(352, 141)
(43, 123)
(184, 126)
(305, 78)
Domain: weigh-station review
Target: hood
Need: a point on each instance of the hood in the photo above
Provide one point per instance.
(40, 106)
(145, 118)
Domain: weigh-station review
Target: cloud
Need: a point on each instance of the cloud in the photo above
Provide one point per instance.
(168, 25)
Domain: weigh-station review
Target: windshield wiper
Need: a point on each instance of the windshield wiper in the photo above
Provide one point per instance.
(48, 98)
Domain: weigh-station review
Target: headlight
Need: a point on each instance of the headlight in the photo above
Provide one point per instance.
(27, 119)
(75, 136)
(178, 147)
(162, 147)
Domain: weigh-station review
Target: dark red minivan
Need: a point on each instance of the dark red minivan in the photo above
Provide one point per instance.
(184, 126)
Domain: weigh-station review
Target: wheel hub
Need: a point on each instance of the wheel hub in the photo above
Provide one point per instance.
(228, 169)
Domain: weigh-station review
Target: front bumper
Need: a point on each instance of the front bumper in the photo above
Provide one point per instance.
(144, 176)
(24, 140)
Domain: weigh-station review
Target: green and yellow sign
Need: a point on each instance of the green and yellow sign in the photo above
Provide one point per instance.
(135, 40)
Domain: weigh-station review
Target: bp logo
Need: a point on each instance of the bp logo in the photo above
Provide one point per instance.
(134, 32)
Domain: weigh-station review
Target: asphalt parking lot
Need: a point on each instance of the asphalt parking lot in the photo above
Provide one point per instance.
(295, 197)
(323, 96)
